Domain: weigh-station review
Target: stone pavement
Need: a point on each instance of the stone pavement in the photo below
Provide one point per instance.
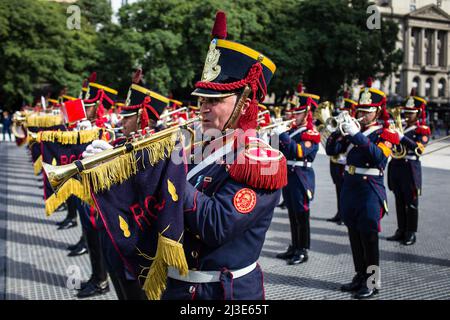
(33, 261)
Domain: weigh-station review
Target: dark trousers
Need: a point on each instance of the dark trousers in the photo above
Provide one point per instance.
(72, 205)
(407, 213)
(99, 273)
(365, 250)
(300, 229)
(6, 130)
(127, 289)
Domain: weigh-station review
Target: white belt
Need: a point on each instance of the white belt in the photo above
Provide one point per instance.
(299, 163)
(411, 157)
(364, 171)
(207, 276)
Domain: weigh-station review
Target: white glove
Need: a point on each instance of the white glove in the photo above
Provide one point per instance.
(350, 127)
(400, 135)
(279, 129)
(96, 146)
(84, 125)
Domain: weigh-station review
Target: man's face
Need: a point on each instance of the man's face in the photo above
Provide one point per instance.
(367, 117)
(129, 125)
(215, 112)
(411, 118)
(300, 118)
(90, 113)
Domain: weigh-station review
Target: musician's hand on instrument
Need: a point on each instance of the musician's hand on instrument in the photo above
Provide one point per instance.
(84, 125)
(400, 134)
(95, 147)
(280, 129)
(350, 127)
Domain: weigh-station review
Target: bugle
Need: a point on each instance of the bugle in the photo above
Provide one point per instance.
(58, 175)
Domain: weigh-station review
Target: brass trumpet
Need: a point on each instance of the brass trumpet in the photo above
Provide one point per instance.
(336, 123)
(287, 123)
(58, 175)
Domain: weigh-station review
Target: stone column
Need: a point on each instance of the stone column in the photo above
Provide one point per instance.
(434, 49)
(407, 45)
(422, 57)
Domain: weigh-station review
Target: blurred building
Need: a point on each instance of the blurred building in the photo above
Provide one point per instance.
(424, 37)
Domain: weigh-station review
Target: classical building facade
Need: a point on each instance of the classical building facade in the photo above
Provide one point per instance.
(424, 37)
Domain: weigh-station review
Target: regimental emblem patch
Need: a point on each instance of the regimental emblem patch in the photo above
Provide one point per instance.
(244, 200)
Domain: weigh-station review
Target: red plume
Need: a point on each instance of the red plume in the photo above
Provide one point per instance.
(413, 92)
(219, 30)
(137, 77)
(300, 87)
(369, 82)
(92, 77)
(346, 94)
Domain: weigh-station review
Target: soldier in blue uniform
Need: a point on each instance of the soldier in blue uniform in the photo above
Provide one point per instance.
(337, 162)
(299, 145)
(405, 173)
(142, 110)
(363, 196)
(232, 192)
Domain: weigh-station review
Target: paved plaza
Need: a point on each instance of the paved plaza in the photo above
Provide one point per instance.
(34, 262)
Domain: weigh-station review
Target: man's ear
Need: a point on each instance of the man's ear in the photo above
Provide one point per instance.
(246, 105)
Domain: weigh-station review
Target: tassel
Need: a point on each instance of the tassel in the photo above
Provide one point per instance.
(44, 121)
(37, 165)
(69, 188)
(169, 253)
(251, 172)
(390, 135)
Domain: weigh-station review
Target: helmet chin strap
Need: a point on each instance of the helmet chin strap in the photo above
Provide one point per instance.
(237, 109)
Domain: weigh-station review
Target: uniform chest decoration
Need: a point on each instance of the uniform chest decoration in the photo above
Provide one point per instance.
(244, 200)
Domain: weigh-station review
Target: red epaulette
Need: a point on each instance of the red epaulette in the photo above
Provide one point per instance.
(311, 135)
(390, 135)
(423, 130)
(260, 166)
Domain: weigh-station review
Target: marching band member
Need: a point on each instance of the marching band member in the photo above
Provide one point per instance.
(363, 195)
(405, 173)
(229, 197)
(299, 145)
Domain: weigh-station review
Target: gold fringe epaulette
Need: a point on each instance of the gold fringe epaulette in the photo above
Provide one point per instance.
(260, 166)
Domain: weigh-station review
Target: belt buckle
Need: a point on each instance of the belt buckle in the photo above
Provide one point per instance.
(351, 170)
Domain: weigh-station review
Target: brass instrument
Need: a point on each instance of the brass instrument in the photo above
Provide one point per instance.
(336, 123)
(398, 151)
(18, 127)
(277, 112)
(58, 175)
(287, 123)
(322, 113)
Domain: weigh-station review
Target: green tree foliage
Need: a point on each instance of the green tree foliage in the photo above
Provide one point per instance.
(322, 42)
(38, 50)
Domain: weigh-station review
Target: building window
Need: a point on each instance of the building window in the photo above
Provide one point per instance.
(416, 85)
(441, 88)
(428, 87)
